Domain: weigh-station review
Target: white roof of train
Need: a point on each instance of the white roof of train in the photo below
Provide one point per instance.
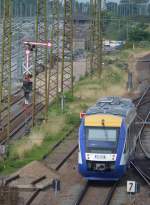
(114, 105)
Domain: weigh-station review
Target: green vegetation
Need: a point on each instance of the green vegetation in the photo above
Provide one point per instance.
(139, 32)
(41, 140)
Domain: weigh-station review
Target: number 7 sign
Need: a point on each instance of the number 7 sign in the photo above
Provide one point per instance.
(131, 186)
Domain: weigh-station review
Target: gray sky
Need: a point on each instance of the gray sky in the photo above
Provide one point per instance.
(107, 0)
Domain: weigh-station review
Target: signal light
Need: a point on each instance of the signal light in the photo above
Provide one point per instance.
(82, 114)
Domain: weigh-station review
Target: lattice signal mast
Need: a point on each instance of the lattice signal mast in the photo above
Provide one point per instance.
(54, 54)
(95, 37)
(98, 37)
(67, 48)
(40, 81)
(92, 36)
(5, 72)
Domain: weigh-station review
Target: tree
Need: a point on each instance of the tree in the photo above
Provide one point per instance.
(139, 33)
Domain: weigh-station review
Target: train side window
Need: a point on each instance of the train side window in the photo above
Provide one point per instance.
(127, 140)
(132, 133)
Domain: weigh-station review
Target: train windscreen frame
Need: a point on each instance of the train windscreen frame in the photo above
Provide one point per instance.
(101, 139)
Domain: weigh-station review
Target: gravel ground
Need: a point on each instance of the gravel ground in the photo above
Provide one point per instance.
(121, 197)
(71, 185)
(30, 173)
(143, 72)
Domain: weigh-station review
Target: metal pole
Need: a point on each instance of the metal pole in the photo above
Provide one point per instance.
(67, 49)
(98, 37)
(91, 33)
(5, 90)
(54, 53)
(40, 79)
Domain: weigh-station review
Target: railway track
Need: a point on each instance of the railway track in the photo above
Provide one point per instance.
(18, 122)
(95, 193)
(91, 193)
(61, 158)
(57, 164)
(141, 161)
(145, 176)
(14, 98)
(36, 195)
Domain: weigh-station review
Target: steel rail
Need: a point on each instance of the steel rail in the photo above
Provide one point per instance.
(144, 121)
(16, 100)
(140, 103)
(142, 97)
(59, 142)
(21, 125)
(66, 158)
(144, 174)
(82, 194)
(110, 194)
(107, 198)
(141, 173)
(140, 135)
(35, 194)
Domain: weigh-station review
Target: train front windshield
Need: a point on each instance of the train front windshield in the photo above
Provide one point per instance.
(101, 140)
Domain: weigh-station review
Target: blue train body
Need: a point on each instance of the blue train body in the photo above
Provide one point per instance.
(106, 139)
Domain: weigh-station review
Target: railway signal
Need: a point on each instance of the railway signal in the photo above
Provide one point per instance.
(27, 74)
(33, 44)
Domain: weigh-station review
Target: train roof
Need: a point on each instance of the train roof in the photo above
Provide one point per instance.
(113, 105)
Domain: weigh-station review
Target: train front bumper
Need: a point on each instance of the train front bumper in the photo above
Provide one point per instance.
(113, 175)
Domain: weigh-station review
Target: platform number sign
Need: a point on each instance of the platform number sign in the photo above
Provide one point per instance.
(133, 187)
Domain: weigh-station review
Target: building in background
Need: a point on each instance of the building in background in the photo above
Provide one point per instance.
(21, 8)
(129, 7)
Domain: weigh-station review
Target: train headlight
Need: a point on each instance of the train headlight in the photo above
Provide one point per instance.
(79, 145)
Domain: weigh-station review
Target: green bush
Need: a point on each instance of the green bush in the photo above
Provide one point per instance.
(83, 106)
(69, 97)
(72, 119)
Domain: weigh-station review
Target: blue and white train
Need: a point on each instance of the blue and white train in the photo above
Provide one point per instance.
(107, 139)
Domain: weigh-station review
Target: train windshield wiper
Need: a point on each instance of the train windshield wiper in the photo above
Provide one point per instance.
(105, 130)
